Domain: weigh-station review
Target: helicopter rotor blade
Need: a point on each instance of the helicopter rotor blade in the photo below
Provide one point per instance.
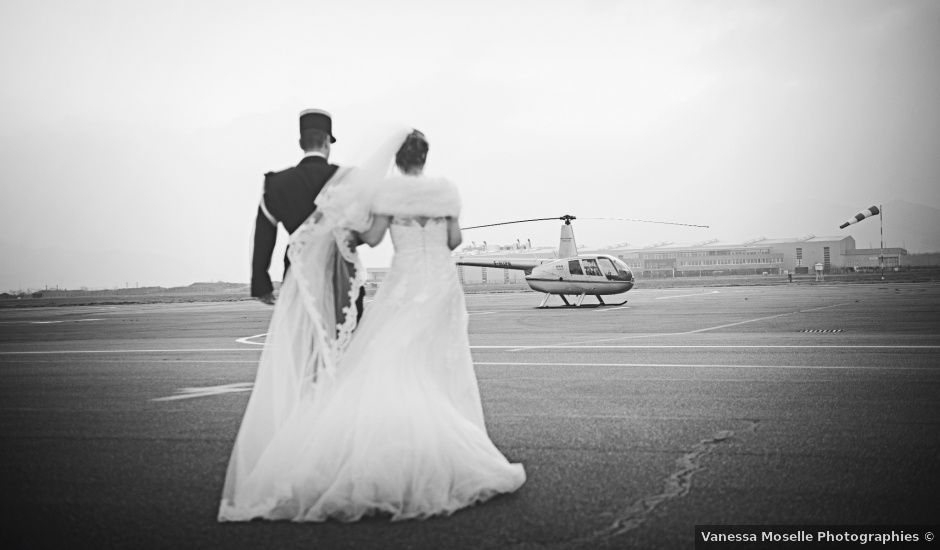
(648, 221)
(567, 219)
(516, 221)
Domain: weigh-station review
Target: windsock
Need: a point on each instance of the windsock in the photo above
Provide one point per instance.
(870, 211)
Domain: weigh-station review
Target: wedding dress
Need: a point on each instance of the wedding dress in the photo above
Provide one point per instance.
(309, 326)
(396, 426)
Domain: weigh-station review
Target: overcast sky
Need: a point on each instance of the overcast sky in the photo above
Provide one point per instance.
(135, 134)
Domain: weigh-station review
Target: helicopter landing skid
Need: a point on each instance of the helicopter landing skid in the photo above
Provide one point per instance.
(578, 302)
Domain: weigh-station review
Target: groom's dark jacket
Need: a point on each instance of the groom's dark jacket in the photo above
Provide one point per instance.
(288, 199)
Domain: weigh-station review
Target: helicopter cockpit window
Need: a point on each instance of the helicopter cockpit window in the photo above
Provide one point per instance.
(574, 267)
(611, 272)
(590, 268)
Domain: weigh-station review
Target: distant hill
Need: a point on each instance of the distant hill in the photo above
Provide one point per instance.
(207, 288)
(217, 288)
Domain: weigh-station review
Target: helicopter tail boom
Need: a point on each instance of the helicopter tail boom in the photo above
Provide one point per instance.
(522, 264)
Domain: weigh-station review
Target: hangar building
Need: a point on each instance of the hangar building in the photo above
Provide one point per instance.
(752, 257)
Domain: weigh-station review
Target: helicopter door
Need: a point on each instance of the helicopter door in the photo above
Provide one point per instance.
(590, 268)
(574, 267)
(611, 271)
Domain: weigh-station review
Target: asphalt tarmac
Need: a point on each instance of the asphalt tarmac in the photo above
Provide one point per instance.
(804, 404)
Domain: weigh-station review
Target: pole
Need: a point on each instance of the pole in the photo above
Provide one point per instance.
(881, 221)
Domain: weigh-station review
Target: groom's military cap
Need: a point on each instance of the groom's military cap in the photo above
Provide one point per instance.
(317, 119)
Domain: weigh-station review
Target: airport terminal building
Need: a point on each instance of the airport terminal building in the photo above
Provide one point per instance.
(709, 258)
(757, 257)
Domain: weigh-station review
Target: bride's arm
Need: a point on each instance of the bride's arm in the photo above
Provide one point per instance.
(376, 232)
(454, 236)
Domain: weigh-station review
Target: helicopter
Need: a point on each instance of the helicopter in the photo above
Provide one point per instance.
(570, 274)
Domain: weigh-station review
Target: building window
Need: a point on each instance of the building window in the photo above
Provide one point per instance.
(826, 258)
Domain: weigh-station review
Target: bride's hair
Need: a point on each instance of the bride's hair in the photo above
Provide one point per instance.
(413, 152)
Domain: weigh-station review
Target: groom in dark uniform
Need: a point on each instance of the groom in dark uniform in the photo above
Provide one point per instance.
(288, 199)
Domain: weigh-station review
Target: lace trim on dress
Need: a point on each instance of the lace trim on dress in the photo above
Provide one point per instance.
(327, 228)
(357, 281)
(324, 352)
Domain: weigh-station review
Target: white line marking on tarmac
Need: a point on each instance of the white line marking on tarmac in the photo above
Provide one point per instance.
(723, 346)
(142, 361)
(825, 307)
(63, 321)
(706, 329)
(248, 339)
(84, 351)
(761, 319)
(694, 366)
(154, 308)
(687, 295)
(480, 312)
(508, 348)
(206, 391)
(530, 310)
(696, 331)
(605, 310)
(653, 290)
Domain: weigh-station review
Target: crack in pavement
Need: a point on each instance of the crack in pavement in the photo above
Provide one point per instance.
(676, 485)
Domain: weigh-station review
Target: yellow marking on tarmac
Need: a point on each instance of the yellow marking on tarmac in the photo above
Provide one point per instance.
(248, 339)
(206, 391)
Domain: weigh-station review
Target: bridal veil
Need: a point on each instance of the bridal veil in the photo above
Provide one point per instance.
(315, 312)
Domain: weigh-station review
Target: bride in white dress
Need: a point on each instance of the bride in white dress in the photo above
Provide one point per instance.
(395, 426)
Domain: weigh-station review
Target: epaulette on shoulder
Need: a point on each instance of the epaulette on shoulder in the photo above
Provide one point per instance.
(274, 173)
